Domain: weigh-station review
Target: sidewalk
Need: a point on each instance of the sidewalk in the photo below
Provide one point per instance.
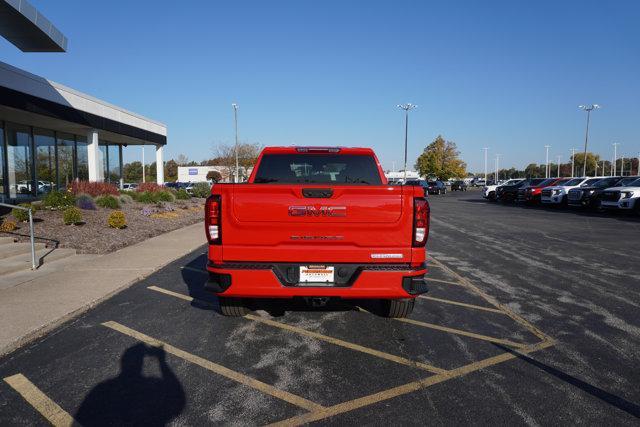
(33, 303)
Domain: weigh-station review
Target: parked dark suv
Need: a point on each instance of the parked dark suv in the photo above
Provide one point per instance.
(589, 195)
(509, 193)
(430, 187)
(458, 186)
(436, 187)
(418, 182)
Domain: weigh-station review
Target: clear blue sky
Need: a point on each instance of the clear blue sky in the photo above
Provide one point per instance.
(504, 74)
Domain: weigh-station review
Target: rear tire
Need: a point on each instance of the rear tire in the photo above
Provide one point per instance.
(233, 307)
(397, 308)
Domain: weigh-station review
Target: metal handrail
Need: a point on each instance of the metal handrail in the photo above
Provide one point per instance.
(33, 244)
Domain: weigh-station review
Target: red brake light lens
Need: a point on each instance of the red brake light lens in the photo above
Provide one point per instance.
(421, 214)
(212, 220)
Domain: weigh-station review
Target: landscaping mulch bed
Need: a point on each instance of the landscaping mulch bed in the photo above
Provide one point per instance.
(96, 237)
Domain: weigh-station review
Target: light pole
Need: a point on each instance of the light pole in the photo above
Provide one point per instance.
(573, 162)
(588, 109)
(497, 168)
(615, 158)
(547, 171)
(235, 118)
(406, 108)
(143, 179)
(486, 149)
(559, 157)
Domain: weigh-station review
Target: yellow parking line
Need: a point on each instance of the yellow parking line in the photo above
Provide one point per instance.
(175, 294)
(491, 300)
(463, 333)
(336, 341)
(218, 369)
(462, 304)
(40, 401)
(407, 388)
(346, 344)
(448, 282)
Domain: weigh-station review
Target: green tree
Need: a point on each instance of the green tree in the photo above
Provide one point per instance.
(591, 163)
(225, 155)
(534, 171)
(214, 176)
(440, 159)
(171, 170)
(150, 172)
(216, 161)
(132, 172)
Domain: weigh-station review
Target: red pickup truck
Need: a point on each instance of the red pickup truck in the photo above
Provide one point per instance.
(318, 223)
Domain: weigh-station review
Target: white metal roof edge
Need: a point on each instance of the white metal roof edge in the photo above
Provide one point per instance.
(100, 105)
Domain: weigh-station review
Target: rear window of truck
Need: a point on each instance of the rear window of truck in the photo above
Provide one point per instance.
(317, 169)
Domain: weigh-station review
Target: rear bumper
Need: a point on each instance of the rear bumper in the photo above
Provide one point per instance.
(263, 280)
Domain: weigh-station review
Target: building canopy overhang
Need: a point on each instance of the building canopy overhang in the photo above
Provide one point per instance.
(30, 99)
(28, 29)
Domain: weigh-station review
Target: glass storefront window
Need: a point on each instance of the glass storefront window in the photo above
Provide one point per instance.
(19, 161)
(82, 158)
(114, 164)
(66, 145)
(2, 189)
(45, 144)
(103, 163)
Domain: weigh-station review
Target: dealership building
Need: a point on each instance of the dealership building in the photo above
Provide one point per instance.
(50, 134)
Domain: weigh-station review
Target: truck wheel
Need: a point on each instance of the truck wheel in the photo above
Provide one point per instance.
(233, 307)
(397, 308)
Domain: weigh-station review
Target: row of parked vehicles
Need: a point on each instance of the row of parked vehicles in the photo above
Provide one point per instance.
(437, 187)
(598, 193)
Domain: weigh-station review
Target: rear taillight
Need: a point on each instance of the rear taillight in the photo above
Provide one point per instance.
(420, 222)
(212, 220)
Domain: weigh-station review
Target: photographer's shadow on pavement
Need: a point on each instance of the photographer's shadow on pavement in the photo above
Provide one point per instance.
(132, 398)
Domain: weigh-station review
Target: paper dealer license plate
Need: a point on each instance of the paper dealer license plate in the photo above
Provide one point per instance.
(317, 274)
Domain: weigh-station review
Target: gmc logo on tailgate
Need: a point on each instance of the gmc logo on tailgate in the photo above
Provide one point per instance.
(318, 211)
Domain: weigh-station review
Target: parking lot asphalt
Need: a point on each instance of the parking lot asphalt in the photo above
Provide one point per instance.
(532, 318)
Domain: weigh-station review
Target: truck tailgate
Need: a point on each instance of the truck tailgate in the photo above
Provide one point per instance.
(298, 223)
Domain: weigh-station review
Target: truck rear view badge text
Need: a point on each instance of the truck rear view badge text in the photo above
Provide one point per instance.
(318, 211)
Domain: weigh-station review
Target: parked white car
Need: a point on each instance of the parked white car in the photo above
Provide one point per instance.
(489, 191)
(557, 195)
(625, 198)
(128, 186)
